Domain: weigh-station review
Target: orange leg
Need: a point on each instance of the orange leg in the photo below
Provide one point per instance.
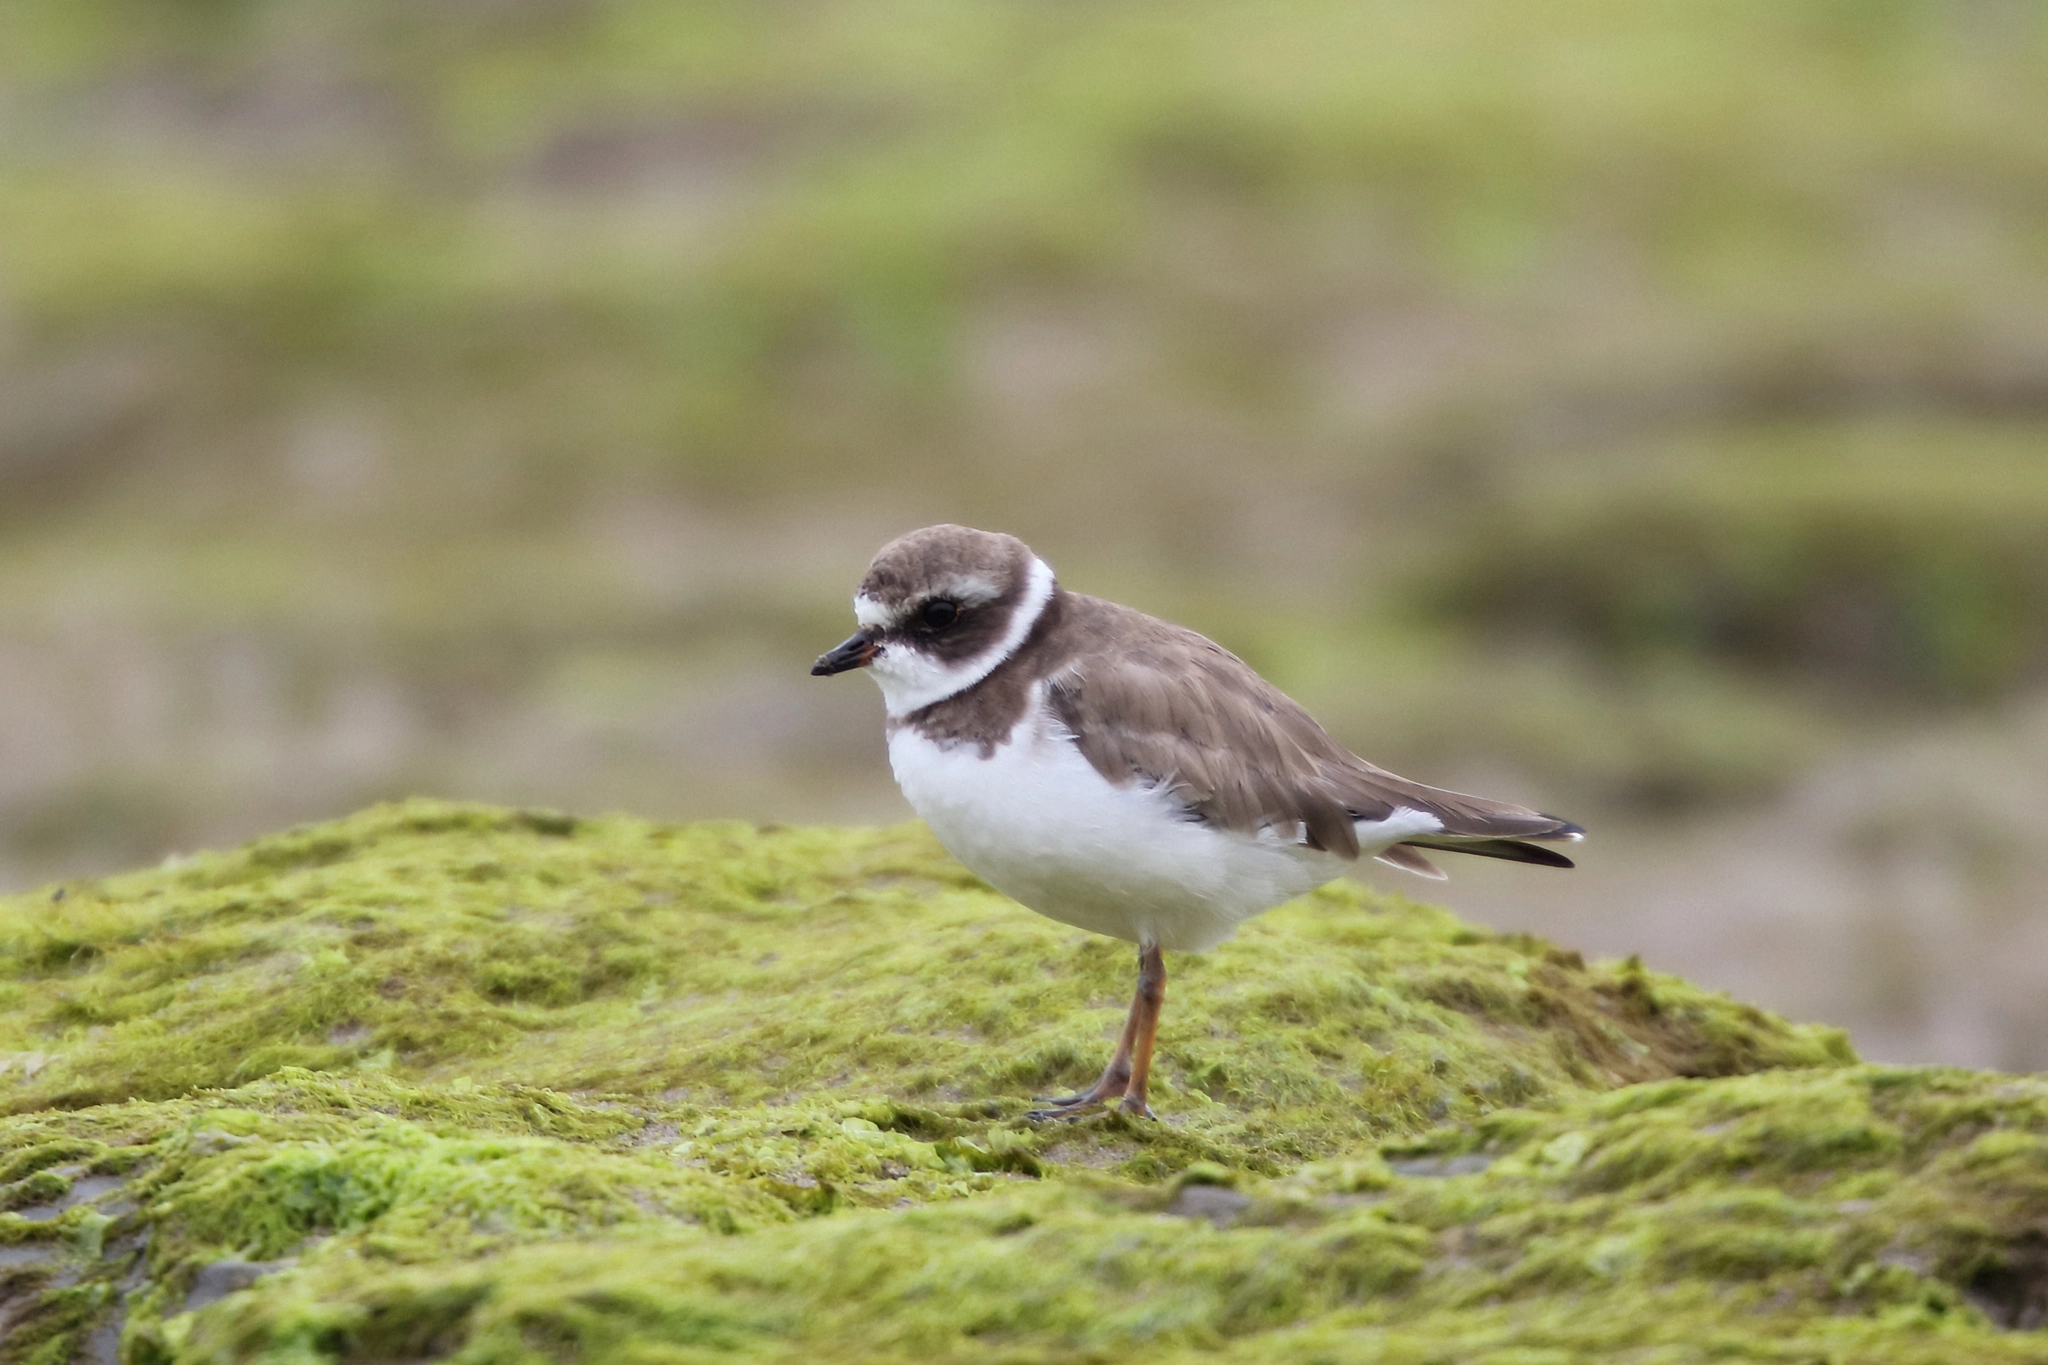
(1145, 1021)
(1130, 1068)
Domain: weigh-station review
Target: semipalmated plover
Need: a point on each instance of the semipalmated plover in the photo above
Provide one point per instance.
(1123, 775)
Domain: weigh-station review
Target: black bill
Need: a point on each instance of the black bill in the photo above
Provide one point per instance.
(853, 652)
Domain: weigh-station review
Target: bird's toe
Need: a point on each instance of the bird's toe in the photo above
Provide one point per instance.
(1072, 1114)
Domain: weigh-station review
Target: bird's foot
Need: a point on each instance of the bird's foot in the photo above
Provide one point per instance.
(1086, 1097)
(1127, 1107)
(1065, 1107)
(1070, 1115)
(1108, 1088)
(1070, 1108)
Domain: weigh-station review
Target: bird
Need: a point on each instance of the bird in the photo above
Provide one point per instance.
(1124, 775)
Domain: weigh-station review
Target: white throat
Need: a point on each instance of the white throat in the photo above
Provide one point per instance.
(912, 680)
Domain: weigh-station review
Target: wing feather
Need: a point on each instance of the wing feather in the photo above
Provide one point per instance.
(1153, 703)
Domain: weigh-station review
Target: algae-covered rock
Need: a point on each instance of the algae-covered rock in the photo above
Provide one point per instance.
(445, 1081)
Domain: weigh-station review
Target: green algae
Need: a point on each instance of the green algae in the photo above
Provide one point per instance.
(1666, 1221)
(363, 1167)
(725, 965)
(459, 1082)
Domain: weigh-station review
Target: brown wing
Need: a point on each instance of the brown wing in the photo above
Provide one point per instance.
(1151, 702)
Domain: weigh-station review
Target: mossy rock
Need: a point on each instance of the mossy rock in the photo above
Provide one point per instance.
(452, 1081)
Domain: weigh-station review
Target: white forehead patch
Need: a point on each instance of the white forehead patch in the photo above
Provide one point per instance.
(871, 614)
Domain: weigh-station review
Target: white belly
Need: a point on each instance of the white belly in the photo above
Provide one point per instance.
(1040, 825)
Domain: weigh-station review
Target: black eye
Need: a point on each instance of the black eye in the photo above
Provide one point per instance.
(938, 614)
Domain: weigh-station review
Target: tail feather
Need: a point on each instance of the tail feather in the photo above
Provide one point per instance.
(1512, 850)
(1492, 820)
(1410, 859)
(1377, 794)
(1464, 824)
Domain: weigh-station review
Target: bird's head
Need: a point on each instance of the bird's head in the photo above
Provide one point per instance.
(938, 610)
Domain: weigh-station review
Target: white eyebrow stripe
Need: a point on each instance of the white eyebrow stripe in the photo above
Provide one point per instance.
(969, 590)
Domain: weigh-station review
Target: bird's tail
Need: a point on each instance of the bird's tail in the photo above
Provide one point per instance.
(1490, 831)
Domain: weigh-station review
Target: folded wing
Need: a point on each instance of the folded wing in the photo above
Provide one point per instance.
(1152, 703)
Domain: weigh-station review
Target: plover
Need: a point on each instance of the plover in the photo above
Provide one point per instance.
(1124, 775)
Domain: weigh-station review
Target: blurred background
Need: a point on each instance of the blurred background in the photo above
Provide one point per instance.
(1639, 410)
